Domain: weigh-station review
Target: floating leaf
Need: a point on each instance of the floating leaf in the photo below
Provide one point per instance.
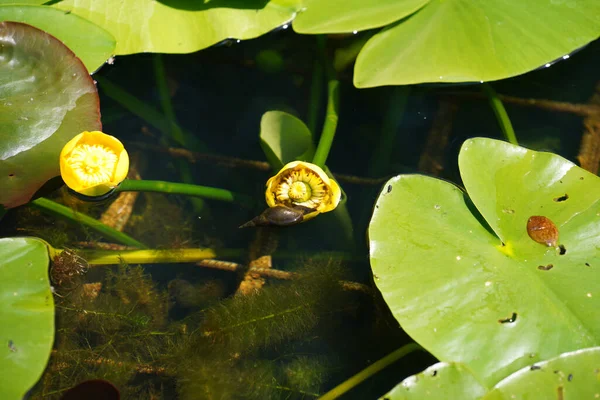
(285, 138)
(467, 40)
(336, 16)
(570, 376)
(26, 315)
(441, 381)
(46, 98)
(462, 275)
(92, 44)
(180, 26)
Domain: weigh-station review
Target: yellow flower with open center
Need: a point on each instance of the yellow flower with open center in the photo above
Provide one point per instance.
(303, 184)
(93, 163)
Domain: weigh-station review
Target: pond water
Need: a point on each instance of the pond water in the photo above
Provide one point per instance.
(166, 331)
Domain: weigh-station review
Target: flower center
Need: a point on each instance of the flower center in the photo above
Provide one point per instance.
(303, 188)
(299, 192)
(93, 164)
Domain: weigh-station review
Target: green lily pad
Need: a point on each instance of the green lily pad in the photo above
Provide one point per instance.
(46, 98)
(33, 2)
(570, 376)
(468, 40)
(338, 16)
(284, 138)
(495, 302)
(26, 315)
(181, 26)
(573, 375)
(92, 44)
(441, 381)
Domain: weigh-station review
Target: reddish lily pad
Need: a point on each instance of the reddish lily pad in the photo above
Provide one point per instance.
(46, 98)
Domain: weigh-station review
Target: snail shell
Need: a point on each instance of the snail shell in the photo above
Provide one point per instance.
(279, 215)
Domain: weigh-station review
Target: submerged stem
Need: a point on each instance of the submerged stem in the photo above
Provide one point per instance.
(501, 114)
(106, 257)
(58, 210)
(370, 371)
(331, 116)
(131, 185)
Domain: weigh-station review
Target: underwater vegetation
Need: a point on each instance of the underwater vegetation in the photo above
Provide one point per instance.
(125, 330)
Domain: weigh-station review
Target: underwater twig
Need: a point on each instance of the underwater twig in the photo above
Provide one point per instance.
(589, 149)
(370, 371)
(395, 110)
(275, 273)
(118, 213)
(108, 257)
(264, 244)
(583, 110)
(501, 114)
(58, 210)
(130, 185)
(331, 115)
(233, 162)
(432, 158)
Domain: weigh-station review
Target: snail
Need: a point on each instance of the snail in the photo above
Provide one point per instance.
(300, 191)
(280, 215)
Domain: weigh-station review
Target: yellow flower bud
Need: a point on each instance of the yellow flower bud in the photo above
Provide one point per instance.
(305, 185)
(93, 163)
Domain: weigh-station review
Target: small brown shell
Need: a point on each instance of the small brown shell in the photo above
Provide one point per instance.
(542, 230)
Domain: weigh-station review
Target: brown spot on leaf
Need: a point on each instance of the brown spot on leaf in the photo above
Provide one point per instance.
(542, 230)
(545, 267)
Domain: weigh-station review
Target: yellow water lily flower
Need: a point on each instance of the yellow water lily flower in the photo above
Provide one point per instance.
(303, 185)
(93, 163)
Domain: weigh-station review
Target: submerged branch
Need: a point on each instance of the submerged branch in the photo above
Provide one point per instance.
(276, 274)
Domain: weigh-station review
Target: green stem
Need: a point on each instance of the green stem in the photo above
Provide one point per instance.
(395, 110)
(132, 185)
(58, 210)
(146, 112)
(315, 96)
(331, 116)
(370, 371)
(107, 257)
(175, 131)
(501, 114)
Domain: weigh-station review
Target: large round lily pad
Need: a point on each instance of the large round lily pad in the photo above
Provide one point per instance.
(26, 315)
(46, 98)
(181, 26)
(461, 274)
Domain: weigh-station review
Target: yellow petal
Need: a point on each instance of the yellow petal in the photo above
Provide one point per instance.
(93, 163)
